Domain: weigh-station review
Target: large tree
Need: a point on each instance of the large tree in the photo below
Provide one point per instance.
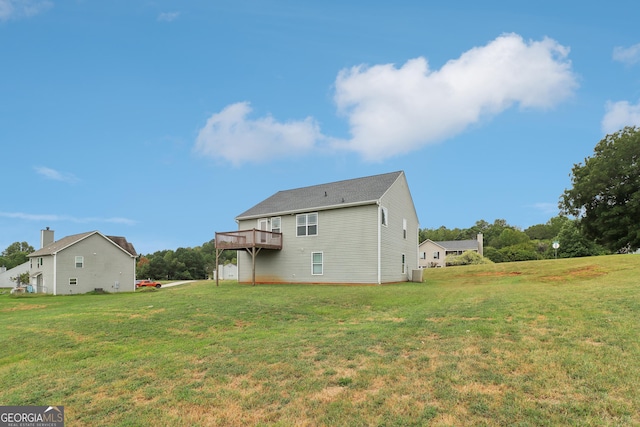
(605, 197)
(15, 254)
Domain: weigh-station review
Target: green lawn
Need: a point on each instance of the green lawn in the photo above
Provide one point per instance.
(536, 343)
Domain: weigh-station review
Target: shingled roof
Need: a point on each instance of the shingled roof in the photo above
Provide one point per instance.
(65, 242)
(358, 191)
(458, 245)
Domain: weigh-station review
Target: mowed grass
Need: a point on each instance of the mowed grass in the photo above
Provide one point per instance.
(537, 343)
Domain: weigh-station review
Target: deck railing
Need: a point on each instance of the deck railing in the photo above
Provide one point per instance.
(243, 239)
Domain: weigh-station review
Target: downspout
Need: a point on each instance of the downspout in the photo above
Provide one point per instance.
(379, 242)
(55, 274)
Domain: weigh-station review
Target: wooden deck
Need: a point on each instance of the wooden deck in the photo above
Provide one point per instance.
(247, 239)
(253, 241)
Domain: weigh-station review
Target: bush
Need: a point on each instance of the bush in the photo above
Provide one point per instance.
(467, 258)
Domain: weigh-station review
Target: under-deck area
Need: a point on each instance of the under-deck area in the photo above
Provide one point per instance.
(253, 241)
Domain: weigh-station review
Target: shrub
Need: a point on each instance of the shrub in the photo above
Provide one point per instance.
(467, 258)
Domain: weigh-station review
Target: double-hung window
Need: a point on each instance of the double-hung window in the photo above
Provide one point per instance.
(79, 262)
(275, 224)
(317, 263)
(307, 224)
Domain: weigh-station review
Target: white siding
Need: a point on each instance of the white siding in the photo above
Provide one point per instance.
(104, 265)
(400, 210)
(355, 247)
(346, 237)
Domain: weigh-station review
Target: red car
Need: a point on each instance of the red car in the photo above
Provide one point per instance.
(149, 283)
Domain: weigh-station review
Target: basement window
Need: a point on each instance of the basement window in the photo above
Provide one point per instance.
(317, 263)
(73, 281)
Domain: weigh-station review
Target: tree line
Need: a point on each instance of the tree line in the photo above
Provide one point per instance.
(15, 254)
(598, 215)
(183, 263)
(507, 243)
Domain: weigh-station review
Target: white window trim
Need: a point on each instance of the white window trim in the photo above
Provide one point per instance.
(306, 224)
(75, 279)
(404, 264)
(279, 219)
(81, 258)
(315, 263)
(404, 228)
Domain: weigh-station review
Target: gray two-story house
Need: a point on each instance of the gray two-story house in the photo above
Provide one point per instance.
(81, 263)
(362, 230)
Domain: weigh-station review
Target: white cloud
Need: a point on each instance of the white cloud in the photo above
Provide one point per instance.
(65, 218)
(13, 9)
(168, 16)
(627, 55)
(397, 110)
(56, 175)
(231, 136)
(620, 114)
(393, 111)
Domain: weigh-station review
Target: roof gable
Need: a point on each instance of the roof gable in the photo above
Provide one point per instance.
(67, 241)
(332, 195)
(455, 245)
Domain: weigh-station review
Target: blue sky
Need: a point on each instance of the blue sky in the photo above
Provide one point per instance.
(162, 120)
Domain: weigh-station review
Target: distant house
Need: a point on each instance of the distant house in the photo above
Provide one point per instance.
(82, 263)
(362, 230)
(433, 254)
(7, 275)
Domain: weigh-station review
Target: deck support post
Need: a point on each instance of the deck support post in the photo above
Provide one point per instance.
(253, 252)
(217, 264)
(247, 240)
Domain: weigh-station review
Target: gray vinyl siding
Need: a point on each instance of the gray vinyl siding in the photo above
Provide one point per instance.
(346, 237)
(399, 206)
(46, 272)
(104, 264)
(356, 248)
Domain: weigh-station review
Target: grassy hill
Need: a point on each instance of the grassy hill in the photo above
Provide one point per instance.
(536, 343)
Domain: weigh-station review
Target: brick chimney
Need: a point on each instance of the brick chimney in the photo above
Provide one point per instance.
(46, 237)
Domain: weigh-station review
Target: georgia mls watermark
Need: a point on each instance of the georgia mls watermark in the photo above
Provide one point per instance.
(31, 416)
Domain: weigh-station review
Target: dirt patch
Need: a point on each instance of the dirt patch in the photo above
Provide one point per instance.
(478, 388)
(328, 394)
(587, 272)
(22, 308)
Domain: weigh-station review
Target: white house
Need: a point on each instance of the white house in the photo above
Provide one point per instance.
(82, 263)
(433, 254)
(6, 275)
(362, 230)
